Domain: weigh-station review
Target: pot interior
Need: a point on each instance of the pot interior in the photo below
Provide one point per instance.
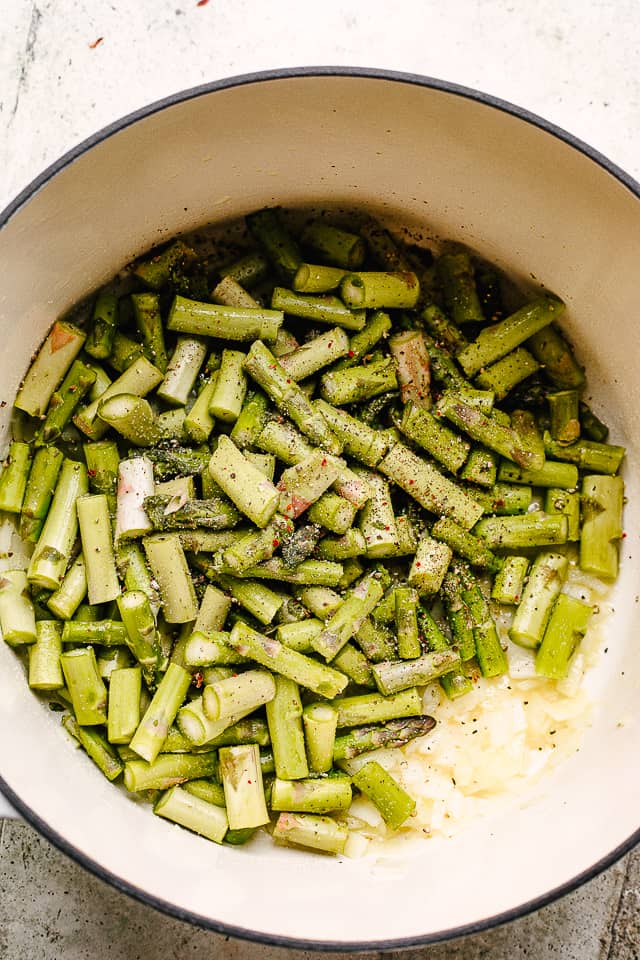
(418, 158)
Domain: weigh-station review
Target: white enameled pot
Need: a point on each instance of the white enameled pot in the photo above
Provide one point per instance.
(422, 154)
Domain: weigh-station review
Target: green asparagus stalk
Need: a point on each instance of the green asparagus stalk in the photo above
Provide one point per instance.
(449, 448)
(546, 578)
(96, 747)
(230, 387)
(486, 430)
(358, 383)
(375, 708)
(587, 454)
(64, 401)
(45, 671)
(243, 790)
(123, 716)
(552, 474)
(168, 770)
(497, 341)
(568, 503)
(567, 625)
(323, 680)
(13, 481)
(602, 501)
(530, 530)
(238, 695)
(182, 371)
(308, 830)
(395, 733)
(318, 796)
(170, 570)
(141, 633)
(17, 615)
(320, 721)
(395, 805)
(108, 633)
(284, 718)
(457, 612)
(509, 581)
(554, 353)
(393, 676)
(138, 380)
(491, 656)
(317, 278)
(97, 548)
(146, 311)
(407, 623)
(86, 688)
(41, 484)
(55, 543)
(104, 322)
(154, 726)
(348, 618)
(227, 323)
(465, 544)
(376, 289)
(501, 377)
(194, 813)
(60, 348)
(320, 308)
(67, 598)
(132, 417)
(429, 565)
(244, 484)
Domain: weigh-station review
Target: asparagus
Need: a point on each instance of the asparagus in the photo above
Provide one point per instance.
(103, 463)
(564, 415)
(154, 726)
(450, 449)
(86, 689)
(45, 670)
(602, 500)
(230, 387)
(320, 721)
(323, 680)
(320, 308)
(132, 417)
(284, 718)
(165, 512)
(530, 530)
(96, 747)
(38, 494)
(429, 487)
(17, 614)
(546, 578)
(332, 795)
(138, 380)
(491, 656)
(97, 548)
(248, 270)
(376, 708)
(146, 311)
(377, 519)
(481, 467)
(347, 619)
(176, 461)
(170, 570)
(194, 813)
(393, 676)
(350, 544)
(568, 503)
(305, 482)
(484, 429)
(465, 544)
(317, 278)
(497, 341)
(255, 597)
(594, 428)
(123, 716)
(55, 543)
(168, 770)
(501, 377)
(395, 805)
(552, 474)
(292, 402)
(503, 499)
(308, 830)
(456, 276)
(455, 683)
(104, 322)
(407, 631)
(429, 565)
(140, 626)
(13, 482)
(358, 383)
(554, 353)
(243, 791)
(316, 354)
(442, 329)
(587, 454)
(64, 401)
(108, 633)
(278, 244)
(228, 323)
(375, 289)
(353, 663)
(394, 733)
(182, 371)
(333, 512)
(457, 612)
(135, 484)
(238, 695)
(509, 581)
(60, 348)
(567, 625)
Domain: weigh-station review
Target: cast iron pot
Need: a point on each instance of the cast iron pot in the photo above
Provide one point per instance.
(416, 152)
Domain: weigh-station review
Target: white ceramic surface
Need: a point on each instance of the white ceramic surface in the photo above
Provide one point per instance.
(420, 157)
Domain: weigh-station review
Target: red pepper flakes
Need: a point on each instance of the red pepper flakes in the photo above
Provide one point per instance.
(324, 462)
(92, 473)
(96, 43)
(202, 3)
(411, 481)
(351, 354)
(276, 543)
(198, 679)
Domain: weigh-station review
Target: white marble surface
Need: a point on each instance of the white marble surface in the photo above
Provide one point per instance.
(571, 61)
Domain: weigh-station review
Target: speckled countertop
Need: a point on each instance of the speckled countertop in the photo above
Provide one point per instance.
(67, 68)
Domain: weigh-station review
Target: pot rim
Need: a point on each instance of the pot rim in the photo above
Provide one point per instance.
(23, 809)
